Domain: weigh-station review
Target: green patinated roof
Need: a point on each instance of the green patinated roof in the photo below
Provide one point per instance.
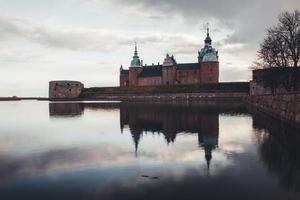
(210, 56)
(208, 53)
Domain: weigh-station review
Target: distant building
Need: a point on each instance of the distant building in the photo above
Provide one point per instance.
(206, 70)
(65, 89)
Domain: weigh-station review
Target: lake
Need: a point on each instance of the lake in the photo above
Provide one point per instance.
(112, 150)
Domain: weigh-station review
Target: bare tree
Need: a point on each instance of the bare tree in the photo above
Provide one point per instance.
(281, 47)
(289, 30)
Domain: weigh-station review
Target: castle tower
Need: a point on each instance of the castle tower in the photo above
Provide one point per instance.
(135, 68)
(209, 59)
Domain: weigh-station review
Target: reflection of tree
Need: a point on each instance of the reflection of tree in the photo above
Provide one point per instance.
(279, 149)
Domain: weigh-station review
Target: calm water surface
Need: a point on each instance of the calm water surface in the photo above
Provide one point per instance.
(142, 151)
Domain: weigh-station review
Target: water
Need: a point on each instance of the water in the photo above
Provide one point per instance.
(142, 151)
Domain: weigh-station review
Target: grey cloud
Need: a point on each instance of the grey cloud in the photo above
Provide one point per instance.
(189, 8)
(248, 18)
(77, 39)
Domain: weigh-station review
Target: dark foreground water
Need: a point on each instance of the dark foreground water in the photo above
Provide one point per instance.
(142, 151)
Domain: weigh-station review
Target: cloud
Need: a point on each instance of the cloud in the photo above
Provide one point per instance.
(78, 38)
(189, 9)
(248, 19)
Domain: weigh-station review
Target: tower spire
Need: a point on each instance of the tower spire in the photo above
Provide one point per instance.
(207, 40)
(207, 28)
(135, 49)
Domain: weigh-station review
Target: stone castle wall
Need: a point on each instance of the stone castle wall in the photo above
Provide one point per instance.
(275, 81)
(65, 89)
(285, 107)
(275, 91)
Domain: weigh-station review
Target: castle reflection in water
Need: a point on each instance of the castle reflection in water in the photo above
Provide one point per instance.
(278, 144)
(167, 119)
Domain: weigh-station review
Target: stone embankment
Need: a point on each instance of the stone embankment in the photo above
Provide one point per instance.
(276, 92)
(285, 107)
(169, 96)
(161, 93)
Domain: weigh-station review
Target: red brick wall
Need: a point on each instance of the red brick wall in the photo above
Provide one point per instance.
(168, 75)
(188, 76)
(209, 72)
(124, 80)
(133, 75)
(144, 81)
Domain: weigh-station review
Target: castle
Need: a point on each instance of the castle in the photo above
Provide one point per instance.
(205, 71)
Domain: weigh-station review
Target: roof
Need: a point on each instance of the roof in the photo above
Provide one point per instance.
(150, 71)
(188, 66)
(124, 71)
(210, 56)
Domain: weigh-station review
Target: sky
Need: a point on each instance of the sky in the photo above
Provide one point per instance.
(88, 40)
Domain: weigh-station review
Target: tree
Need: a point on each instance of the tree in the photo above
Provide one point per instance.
(281, 46)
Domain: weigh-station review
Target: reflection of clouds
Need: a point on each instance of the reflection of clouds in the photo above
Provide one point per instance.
(60, 160)
(5, 145)
(103, 155)
(237, 148)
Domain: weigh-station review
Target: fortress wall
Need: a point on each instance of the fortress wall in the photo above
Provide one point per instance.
(275, 81)
(275, 91)
(227, 87)
(65, 89)
(285, 107)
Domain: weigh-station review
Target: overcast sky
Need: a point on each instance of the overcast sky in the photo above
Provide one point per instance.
(88, 40)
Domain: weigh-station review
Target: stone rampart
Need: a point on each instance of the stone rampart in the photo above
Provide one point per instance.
(65, 89)
(285, 107)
